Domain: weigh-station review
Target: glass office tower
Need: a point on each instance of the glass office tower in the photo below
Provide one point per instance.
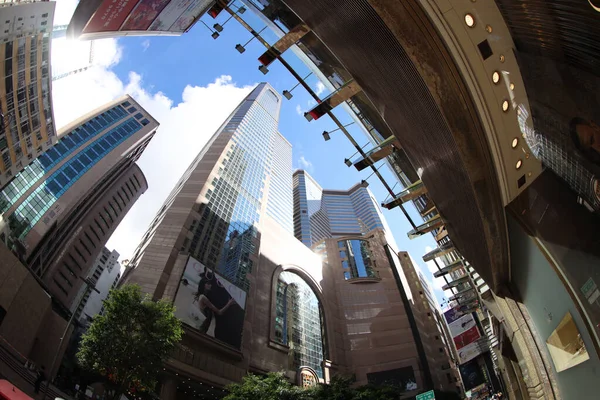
(214, 213)
(322, 214)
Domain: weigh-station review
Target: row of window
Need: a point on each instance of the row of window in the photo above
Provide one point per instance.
(33, 208)
(24, 180)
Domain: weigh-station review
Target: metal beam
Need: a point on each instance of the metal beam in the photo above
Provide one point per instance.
(329, 113)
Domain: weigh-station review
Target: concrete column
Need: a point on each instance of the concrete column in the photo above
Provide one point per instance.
(168, 388)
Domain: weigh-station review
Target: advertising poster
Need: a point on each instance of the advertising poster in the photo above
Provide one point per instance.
(461, 325)
(467, 337)
(189, 15)
(110, 16)
(210, 304)
(170, 14)
(143, 14)
(468, 352)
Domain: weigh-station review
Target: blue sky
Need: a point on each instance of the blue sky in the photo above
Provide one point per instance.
(170, 73)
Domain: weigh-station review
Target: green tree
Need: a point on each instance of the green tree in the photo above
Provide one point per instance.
(273, 386)
(129, 342)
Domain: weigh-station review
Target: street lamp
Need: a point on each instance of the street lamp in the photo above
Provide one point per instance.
(326, 134)
(288, 93)
(242, 48)
(214, 34)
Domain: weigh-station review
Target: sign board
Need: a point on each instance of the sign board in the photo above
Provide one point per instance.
(590, 291)
(426, 396)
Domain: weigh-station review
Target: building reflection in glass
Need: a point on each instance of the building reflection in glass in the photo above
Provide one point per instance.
(356, 259)
(298, 322)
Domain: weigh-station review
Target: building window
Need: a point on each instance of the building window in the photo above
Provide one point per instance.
(357, 259)
(298, 321)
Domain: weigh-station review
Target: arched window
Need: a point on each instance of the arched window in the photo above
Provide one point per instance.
(298, 321)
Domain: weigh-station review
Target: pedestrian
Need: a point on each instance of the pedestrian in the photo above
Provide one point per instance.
(40, 377)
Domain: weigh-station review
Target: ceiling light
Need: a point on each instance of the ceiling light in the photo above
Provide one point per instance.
(502, 58)
(515, 143)
(469, 20)
(512, 86)
(488, 28)
(496, 77)
(505, 105)
(519, 164)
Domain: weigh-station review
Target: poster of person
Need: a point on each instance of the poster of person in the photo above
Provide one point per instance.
(210, 304)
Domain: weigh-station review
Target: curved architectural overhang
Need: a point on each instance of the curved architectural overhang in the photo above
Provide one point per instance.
(421, 67)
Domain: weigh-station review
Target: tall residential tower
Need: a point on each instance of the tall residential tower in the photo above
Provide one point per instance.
(26, 118)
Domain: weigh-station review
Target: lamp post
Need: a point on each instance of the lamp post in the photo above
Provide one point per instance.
(214, 34)
(326, 134)
(288, 93)
(89, 285)
(242, 48)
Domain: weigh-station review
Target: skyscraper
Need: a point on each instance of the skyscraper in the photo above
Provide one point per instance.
(26, 119)
(58, 213)
(215, 210)
(321, 213)
(105, 275)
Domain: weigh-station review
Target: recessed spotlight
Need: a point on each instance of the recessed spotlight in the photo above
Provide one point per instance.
(512, 86)
(515, 143)
(519, 164)
(496, 77)
(502, 58)
(469, 20)
(505, 105)
(488, 28)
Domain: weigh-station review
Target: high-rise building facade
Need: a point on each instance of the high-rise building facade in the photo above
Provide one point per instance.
(320, 214)
(59, 212)
(105, 274)
(214, 211)
(26, 118)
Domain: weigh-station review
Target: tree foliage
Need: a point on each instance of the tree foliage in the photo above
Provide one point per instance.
(129, 342)
(275, 386)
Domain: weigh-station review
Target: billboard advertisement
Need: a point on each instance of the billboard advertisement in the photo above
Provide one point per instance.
(464, 332)
(179, 15)
(146, 15)
(143, 14)
(109, 16)
(210, 304)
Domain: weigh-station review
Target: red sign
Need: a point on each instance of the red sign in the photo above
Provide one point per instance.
(110, 16)
(467, 337)
(143, 14)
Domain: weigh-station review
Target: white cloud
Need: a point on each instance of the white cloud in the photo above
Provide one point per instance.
(305, 164)
(299, 110)
(185, 126)
(146, 44)
(64, 11)
(320, 88)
